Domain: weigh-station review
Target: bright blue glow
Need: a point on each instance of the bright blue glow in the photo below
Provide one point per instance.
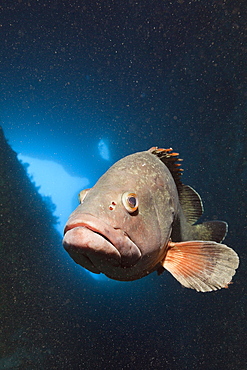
(103, 148)
(56, 183)
(100, 277)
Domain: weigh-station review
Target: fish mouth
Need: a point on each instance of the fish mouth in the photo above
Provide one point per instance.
(98, 246)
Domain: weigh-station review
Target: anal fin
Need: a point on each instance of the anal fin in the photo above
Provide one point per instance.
(201, 265)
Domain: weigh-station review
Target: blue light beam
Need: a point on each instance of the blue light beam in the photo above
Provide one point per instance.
(56, 183)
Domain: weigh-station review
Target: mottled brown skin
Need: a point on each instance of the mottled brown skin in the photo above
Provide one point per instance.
(102, 236)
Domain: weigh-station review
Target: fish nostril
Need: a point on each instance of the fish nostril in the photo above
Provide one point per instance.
(112, 206)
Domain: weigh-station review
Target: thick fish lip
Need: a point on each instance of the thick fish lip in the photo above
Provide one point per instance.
(94, 236)
(90, 250)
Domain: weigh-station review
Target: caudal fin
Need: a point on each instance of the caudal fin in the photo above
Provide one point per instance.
(201, 265)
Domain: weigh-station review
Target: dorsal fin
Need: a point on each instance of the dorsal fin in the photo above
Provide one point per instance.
(170, 159)
(190, 200)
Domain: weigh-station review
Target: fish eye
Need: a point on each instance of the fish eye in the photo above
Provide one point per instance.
(130, 201)
(82, 195)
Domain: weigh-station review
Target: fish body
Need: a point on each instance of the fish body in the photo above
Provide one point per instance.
(139, 218)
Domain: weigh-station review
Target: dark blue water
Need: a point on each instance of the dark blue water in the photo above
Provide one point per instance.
(134, 74)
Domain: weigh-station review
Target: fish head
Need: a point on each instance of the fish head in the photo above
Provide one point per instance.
(123, 224)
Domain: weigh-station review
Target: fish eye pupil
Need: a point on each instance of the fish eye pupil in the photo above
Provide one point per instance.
(132, 202)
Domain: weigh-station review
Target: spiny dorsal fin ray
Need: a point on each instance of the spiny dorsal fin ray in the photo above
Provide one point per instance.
(170, 159)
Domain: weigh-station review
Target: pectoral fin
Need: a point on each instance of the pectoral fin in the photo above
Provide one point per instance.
(201, 265)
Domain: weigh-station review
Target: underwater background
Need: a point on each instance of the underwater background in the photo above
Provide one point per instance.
(82, 84)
